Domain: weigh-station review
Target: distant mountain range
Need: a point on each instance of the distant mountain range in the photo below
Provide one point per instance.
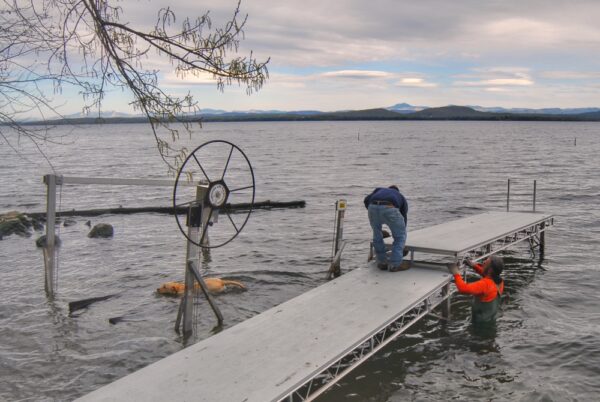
(400, 111)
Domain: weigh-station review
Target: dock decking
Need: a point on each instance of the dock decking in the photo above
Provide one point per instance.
(472, 232)
(296, 350)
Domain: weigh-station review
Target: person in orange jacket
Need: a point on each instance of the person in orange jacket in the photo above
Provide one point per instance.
(487, 291)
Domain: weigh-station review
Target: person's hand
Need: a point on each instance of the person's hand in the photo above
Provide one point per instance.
(453, 268)
(468, 262)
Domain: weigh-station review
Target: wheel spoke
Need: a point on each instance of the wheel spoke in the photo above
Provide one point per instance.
(185, 203)
(241, 188)
(201, 168)
(227, 163)
(232, 222)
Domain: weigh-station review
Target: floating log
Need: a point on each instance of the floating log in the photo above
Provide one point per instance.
(116, 320)
(80, 304)
(169, 210)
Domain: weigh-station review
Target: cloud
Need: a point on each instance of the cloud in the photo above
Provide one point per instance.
(172, 79)
(571, 75)
(496, 77)
(415, 82)
(434, 52)
(356, 74)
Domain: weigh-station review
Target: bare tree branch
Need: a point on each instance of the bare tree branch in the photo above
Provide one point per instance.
(85, 44)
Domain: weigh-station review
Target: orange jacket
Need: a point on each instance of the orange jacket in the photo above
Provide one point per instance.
(485, 288)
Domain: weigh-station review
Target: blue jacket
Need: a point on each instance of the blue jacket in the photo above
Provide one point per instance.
(390, 195)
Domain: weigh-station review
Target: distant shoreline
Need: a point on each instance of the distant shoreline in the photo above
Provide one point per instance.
(447, 113)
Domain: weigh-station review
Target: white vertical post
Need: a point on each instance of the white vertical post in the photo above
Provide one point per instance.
(49, 249)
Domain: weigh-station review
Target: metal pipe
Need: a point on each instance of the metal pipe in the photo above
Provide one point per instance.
(542, 239)
(446, 303)
(508, 197)
(338, 240)
(188, 294)
(192, 268)
(534, 193)
(49, 249)
(126, 182)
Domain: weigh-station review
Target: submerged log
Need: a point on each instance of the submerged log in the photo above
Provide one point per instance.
(169, 210)
(80, 304)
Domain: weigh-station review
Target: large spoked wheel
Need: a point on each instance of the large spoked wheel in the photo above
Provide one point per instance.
(226, 177)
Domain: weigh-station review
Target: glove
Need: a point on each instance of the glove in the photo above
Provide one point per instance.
(453, 268)
(468, 262)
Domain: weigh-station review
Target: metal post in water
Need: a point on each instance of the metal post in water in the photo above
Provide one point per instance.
(192, 269)
(338, 242)
(340, 206)
(205, 220)
(508, 197)
(197, 222)
(446, 303)
(534, 193)
(542, 239)
(206, 215)
(188, 295)
(49, 249)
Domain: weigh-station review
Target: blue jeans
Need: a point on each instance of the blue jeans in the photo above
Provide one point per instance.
(382, 214)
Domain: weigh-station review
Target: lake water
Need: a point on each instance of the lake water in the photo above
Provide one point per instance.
(546, 346)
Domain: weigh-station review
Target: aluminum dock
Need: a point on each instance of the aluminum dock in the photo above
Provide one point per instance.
(298, 349)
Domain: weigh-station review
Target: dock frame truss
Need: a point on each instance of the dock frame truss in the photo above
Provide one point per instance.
(369, 346)
(322, 380)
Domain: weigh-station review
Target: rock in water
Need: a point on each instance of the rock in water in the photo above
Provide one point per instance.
(15, 223)
(41, 241)
(69, 222)
(101, 230)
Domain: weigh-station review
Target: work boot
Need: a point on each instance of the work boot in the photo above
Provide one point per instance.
(402, 267)
(382, 265)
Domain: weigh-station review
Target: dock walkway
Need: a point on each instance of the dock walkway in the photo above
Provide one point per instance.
(296, 350)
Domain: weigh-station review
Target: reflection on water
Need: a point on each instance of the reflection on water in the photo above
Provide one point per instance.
(544, 345)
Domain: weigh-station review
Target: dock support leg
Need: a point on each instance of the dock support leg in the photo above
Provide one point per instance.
(542, 240)
(508, 196)
(49, 249)
(446, 303)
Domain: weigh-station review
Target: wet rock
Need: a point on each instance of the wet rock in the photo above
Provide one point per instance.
(15, 223)
(37, 224)
(69, 222)
(101, 230)
(41, 241)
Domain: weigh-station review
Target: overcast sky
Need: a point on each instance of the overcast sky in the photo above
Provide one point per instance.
(357, 54)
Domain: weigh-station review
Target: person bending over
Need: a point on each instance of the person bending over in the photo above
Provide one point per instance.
(388, 206)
